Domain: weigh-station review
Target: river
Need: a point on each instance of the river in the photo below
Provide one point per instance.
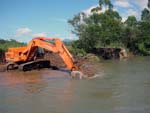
(122, 86)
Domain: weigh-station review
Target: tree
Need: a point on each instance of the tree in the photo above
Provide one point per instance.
(105, 2)
(101, 3)
(96, 9)
(143, 26)
(145, 15)
(107, 30)
(131, 21)
(98, 29)
(110, 22)
(5, 44)
(132, 34)
(144, 42)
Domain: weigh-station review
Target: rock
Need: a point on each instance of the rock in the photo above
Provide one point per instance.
(123, 53)
(92, 57)
(78, 75)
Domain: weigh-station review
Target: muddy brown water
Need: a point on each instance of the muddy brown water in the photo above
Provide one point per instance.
(121, 87)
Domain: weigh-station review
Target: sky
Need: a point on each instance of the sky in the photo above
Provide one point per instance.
(24, 19)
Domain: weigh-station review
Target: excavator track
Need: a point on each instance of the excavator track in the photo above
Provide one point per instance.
(38, 64)
(11, 66)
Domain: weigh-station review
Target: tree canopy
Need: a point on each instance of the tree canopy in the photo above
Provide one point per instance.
(108, 30)
(5, 44)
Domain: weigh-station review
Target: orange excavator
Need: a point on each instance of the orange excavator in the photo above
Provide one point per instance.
(24, 58)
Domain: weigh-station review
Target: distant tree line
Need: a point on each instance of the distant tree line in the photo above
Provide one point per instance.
(5, 44)
(108, 30)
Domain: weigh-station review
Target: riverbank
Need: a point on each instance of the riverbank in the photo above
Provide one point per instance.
(88, 64)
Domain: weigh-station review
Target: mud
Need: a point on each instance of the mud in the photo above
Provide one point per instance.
(55, 60)
(86, 66)
(2, 68)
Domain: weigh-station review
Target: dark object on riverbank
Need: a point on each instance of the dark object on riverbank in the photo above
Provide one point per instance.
(110, 53)
(2, 60)
(2, 57)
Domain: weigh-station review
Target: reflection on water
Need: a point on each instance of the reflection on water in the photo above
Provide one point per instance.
(122, 87)
(32, 82)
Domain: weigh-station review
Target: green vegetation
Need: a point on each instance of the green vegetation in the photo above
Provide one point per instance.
(5, 44)
(108, 30)
(74, 48)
